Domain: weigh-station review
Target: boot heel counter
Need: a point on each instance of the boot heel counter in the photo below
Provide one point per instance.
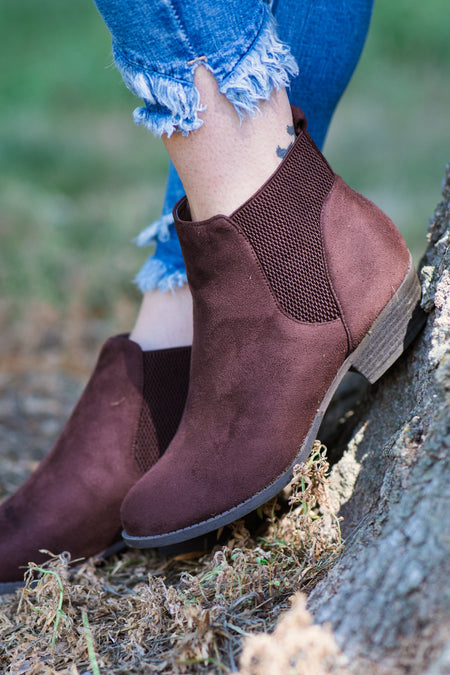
(392, 331)
(366, 254)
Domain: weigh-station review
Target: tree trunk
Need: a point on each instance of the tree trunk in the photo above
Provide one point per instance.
(388, 598)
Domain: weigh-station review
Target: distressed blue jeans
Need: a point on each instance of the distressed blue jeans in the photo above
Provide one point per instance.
(251, 47)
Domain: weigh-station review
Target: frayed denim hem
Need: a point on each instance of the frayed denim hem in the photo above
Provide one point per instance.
(157, 230)
(173, 104)
(170, 104)
(155, 274)
(268, 65)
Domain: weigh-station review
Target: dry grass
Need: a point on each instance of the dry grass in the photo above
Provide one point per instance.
(142, 613)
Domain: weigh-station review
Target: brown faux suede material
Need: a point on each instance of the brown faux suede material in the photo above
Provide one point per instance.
(257, 377)
(367, 257)
(72, 501)
(258, 374)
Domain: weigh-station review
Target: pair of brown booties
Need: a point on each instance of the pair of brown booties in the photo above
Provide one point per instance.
(304, 281)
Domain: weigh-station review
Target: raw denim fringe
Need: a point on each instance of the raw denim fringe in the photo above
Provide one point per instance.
(170, 104)
(156, 274)
(173, 105)
(157, 230)
(267, 65)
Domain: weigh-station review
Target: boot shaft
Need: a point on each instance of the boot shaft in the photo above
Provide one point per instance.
(326, 252)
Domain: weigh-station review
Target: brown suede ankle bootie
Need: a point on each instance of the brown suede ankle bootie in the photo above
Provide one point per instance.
(302, 282)
(124, 421)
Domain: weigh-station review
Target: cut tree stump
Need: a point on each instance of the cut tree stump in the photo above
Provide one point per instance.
(388, 597)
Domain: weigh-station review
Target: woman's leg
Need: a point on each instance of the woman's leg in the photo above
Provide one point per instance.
(221, 165)
(132, 404)
(128, 412)
(295, 278)
(326, 39)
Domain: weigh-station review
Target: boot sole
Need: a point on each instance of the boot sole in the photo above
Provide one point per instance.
(390, 334)
(10, 586)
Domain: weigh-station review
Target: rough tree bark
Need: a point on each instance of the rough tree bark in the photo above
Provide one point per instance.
(388, 598)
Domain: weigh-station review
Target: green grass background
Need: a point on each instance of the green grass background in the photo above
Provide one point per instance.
(79, 180)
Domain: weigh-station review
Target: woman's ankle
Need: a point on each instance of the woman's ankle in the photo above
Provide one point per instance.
(164, 320)
(227, 160)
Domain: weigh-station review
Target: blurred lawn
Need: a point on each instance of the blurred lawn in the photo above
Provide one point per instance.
(79, 180)
(390, 137)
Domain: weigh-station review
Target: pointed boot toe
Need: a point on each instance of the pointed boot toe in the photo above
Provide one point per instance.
(304, 281)
(122, 424)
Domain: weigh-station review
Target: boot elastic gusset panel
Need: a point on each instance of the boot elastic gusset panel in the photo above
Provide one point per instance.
(282, 223)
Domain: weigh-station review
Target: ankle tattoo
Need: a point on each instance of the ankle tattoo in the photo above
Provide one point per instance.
(282, 152)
